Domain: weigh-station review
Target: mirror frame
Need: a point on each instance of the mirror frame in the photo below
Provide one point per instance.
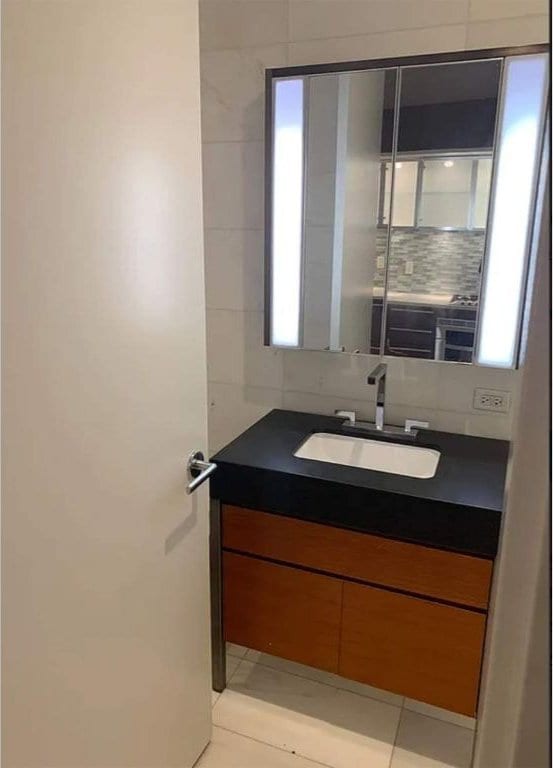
(390, 63)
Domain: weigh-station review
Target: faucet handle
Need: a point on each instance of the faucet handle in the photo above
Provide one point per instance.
(411, 425)
(378, 373)
(349, 415)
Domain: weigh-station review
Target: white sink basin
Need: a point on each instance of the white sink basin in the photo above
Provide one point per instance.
(395, 458)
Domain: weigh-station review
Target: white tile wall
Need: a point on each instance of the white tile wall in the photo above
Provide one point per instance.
(238, 39)
(233, 84)
(313, 19)
(242, 23)
(512, 31)
(237, 357)
(234, 271)
(233, 185)
(235, 407)
(490, 10)
(369, 46)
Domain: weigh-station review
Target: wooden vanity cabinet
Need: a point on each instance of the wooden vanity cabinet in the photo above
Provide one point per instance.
(398, 616)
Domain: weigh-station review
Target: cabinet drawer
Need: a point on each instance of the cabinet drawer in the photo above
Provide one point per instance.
(406, 338)
(435, 573)
(281, 610)
(411, 318)
(413, 647)
(461, 313)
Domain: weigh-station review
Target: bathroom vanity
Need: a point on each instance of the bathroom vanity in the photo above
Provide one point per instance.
(375, 576)
(392, 228)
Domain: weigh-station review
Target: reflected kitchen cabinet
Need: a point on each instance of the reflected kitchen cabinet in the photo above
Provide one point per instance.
(437, 191)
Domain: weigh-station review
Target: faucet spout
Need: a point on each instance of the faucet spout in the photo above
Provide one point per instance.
(378, 377)
(378, 373)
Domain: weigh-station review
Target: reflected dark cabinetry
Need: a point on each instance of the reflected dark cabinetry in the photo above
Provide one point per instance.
(410, 331)
(447, 126)
(425, 331)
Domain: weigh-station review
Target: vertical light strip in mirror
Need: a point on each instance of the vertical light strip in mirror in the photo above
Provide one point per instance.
(520, 130)
(287, 212)
(395, 140)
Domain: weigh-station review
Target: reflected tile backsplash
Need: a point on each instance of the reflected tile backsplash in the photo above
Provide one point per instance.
(443, 262)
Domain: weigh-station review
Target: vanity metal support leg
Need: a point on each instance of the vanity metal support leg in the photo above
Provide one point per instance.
(218, 655)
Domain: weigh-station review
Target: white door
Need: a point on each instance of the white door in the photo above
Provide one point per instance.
(105, 558)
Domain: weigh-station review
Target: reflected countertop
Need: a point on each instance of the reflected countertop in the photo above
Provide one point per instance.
(404, 297)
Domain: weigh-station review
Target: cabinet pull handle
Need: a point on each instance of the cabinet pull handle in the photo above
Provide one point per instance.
(406, 329)
(408, 309)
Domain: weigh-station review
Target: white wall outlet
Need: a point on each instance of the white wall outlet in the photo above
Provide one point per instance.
(380, 262)
(492, 400)
(409, 267)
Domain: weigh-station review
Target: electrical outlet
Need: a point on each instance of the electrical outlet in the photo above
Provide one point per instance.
(380, 262)
(409, 267)
(492, 400)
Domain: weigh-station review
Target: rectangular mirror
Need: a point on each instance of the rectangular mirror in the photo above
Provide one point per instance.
(383, 195)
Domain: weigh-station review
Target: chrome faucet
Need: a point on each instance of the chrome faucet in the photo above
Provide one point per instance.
(352, 424)
(378, 377)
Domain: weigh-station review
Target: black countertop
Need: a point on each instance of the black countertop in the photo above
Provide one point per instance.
(458, 509)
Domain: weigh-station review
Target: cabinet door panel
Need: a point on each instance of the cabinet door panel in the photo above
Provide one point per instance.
(423, 650)
(281, 610)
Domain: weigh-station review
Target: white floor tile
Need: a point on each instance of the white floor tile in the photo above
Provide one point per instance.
(293, 668)
(440, 714)
(233, 663)
(236, 650)
(368, 690)
(424, 742)
(230, 750)
(316, 721)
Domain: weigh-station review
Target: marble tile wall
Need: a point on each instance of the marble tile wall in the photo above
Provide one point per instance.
(238, 39)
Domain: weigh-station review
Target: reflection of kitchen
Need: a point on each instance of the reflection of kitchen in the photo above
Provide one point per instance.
(433, 286)
(430, 326)
(441, 184)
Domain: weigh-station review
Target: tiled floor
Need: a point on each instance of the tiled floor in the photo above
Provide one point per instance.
(277, 714)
